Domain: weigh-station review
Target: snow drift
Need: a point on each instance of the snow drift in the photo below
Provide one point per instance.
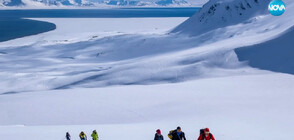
(275, 55)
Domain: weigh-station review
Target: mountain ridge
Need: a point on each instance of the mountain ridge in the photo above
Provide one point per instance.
(220, 13)
(99, 3)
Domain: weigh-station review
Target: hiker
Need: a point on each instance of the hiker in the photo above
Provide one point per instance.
(67, 136)
(158, 135)
(177, 134)
(83, 136)
(94, 135)
(205, 135)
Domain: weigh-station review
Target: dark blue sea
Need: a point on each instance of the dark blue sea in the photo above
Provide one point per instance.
(13, 25)
(99, 13)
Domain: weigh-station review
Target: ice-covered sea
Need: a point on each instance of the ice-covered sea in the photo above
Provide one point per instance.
(13, 23)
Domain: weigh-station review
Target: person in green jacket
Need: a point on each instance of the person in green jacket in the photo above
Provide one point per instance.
(95, 135)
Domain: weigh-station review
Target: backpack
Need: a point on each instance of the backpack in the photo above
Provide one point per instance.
(82, 135)
(170, 134)
(202, 133)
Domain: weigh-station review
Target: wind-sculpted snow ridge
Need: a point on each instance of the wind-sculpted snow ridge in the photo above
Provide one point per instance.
(220, 13)
(275, 55)
(110, 61)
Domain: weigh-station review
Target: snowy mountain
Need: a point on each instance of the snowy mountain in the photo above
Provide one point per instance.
(221, 13)
(25, 3)
(1, 3)
(146, 3)
(127, 3)
(12, 3)
(170, 2)
(45, 3)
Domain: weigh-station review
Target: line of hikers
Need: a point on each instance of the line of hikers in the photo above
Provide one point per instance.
(177, 134)
(83, 136)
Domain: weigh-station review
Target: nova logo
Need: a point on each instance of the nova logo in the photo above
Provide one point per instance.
(277, 7)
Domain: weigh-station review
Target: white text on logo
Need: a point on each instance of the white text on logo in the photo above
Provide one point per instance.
(276, 7)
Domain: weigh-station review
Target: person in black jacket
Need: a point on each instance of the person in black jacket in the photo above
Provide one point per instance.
(178, 134)
(67, 136)
(158, 135)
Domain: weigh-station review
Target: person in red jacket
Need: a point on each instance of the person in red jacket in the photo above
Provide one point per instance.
(206, 136)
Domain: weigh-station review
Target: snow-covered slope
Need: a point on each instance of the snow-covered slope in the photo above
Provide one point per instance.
(236, 107)
(275, 55)
(220, 13)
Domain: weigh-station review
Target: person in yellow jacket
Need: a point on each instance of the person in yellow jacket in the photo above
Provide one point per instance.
(83, 136)
(95, 135)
